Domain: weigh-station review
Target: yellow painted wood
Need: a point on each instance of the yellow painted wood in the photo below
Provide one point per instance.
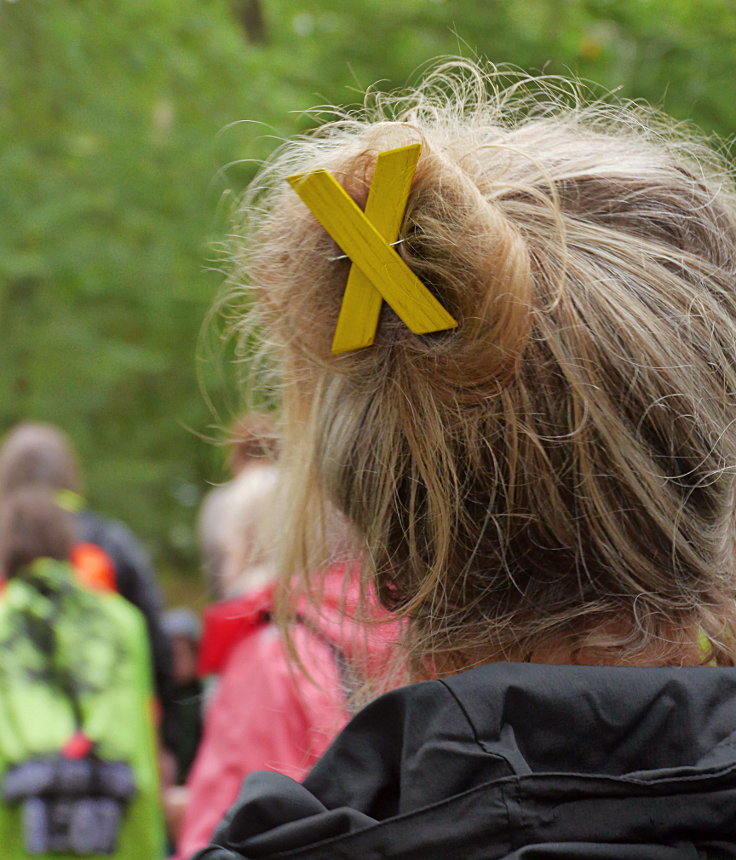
(366, 246)
(384, 208)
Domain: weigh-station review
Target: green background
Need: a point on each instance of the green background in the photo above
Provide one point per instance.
(127, 130)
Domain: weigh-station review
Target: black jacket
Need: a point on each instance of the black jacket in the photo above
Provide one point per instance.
(519, 761)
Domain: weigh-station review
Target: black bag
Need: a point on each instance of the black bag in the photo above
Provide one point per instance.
(72, 805)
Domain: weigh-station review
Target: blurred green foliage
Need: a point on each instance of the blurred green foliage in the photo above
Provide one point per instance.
(120, 135)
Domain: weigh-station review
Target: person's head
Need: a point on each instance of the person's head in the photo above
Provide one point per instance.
(233, 522)
(33, 526)
(38, 454)
(248, 532)
(183, 629)
(252, 441)
(560, 466)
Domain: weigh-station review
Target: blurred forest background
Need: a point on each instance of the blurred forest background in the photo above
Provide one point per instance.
(121, 151)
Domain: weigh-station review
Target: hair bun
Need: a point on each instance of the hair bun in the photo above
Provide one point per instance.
(468, 253)
(459, 244)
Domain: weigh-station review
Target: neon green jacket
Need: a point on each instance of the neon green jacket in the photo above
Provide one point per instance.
(52, 628)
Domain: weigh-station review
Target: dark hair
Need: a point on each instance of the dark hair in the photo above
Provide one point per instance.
(33, 526)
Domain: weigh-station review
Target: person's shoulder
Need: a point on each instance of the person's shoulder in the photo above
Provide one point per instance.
(100, 529)
(132, 564)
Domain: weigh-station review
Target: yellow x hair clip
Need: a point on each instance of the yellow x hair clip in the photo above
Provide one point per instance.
(366, 238)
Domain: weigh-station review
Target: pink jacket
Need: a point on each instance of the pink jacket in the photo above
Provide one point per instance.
(265, 713)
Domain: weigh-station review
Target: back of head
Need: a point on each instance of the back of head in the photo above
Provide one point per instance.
(33, 526)
(36, 453)
(253, 441)
(563, 459)
(248, 531)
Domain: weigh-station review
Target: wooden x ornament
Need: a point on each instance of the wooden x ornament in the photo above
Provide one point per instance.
(378, 272)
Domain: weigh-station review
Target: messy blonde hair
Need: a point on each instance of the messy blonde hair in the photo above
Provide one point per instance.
(565, 457)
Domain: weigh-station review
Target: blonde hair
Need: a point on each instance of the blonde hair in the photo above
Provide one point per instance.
(247, 554)
(563, 459)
